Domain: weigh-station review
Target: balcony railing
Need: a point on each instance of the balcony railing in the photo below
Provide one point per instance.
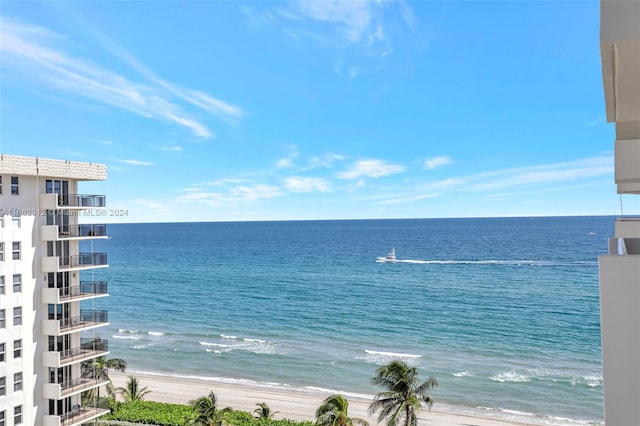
(86, 288)
(76, 231)
(82, 200)
(83, 259)
(86, 317)
(79, 413)
(87, 347)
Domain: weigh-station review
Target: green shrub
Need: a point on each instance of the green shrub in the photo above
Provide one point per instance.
(243, 418)
(151, 413)
(163, 414)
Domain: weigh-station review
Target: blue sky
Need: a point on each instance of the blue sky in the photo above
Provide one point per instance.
(220, 110)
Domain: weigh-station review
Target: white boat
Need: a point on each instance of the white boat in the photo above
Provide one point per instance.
(390, 257)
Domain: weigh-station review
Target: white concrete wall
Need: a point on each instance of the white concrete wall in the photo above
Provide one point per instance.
(22, 231)
(620, 270)
(32, 174)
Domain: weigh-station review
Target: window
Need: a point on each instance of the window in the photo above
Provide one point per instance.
(17, 382)
(14, 185)
(17, 348)
(17, 415)
(17, 315)
(2, 319)
(17, 283)
(3, 356)
(1, 252)
(1, 284)
(16, 221)
(0, 184)
(3, 386)
(2, 417)
(16, 250)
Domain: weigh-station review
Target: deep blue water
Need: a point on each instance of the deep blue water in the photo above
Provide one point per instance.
(503, 312)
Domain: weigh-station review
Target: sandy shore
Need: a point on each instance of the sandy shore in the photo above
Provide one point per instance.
(295, 405)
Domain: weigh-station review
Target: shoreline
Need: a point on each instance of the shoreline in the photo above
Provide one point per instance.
(291, 404)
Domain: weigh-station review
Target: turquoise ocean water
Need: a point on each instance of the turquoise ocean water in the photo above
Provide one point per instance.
(502, 312)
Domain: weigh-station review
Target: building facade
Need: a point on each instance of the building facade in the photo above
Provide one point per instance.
(46, 280)
(620, 268)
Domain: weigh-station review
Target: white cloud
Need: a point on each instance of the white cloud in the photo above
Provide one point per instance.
(284, 163)
(327, 160)
(354, 17)
(226, 181)
(28, 50)
(371, 168)
(600, 120)
(137, 162)
(361, 32)
(306, 184)
(518, 181)
(171, 148)
(212, 199)
(543, 174)
(412, 199)
(432, 163)
(255, 192)
(150, 207)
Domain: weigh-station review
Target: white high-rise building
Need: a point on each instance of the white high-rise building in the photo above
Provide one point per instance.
(45, 283)
(620, 269)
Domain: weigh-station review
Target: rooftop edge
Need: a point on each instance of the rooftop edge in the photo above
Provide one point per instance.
(46, 167)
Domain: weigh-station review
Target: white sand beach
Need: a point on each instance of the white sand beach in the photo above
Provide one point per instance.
(295, 405)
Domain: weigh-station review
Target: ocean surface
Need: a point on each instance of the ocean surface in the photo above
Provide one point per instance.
(503, 312)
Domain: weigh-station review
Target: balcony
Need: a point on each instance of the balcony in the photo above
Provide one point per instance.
(89, 348)
(86, 290)
(77, 416)
(72, 232)
(87, 320)
(71, 387)
(74, 263)
(627, 227)
(72, 201)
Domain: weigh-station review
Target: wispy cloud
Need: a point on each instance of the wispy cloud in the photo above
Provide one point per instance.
(285, 163)
(371, 168)
(107, 142)
(432, 163)
(600, 120)
(255, 192)
(302, 162)
(409, 199)
(306, 184)
(227, 181)
(171, 148)
(361, 32)
(137, 162)
(39, 54)
(231, 196)
(543, 174)
(326, 161)
(354, 18)
(157, 208)
(517, 181)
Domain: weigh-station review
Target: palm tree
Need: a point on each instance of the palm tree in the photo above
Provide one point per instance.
(402, 397)
(333, 412)
(263, 411)
(207, 413)
(133, 391)
(98, 368)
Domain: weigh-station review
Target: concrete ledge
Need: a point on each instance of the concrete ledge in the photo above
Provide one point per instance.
(45, 167)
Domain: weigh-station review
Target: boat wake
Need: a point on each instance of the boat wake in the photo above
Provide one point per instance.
(493, 262)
